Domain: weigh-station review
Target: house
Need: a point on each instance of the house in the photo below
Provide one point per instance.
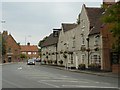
(49, 47)
(12, 48)
(88, 42)
(30, 51)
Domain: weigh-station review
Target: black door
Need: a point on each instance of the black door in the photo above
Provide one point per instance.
(9, 59)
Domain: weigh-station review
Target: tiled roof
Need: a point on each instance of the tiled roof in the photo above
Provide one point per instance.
(68, 26)
(96, 29)
(50, 40)
(94, 15)
(27, 48)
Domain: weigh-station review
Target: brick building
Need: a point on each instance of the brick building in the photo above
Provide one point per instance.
(12, 48)
(31, 51)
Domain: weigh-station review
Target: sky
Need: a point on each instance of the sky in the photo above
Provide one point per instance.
(31, 21)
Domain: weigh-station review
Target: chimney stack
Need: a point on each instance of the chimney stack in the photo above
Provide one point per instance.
(108, 2)
(5, 33)
(28, 44)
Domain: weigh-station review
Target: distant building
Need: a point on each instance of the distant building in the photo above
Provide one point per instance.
(12, 49)
(31, 51)
(49, 47)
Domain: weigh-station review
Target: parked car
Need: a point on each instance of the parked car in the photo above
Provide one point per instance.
(31, 62)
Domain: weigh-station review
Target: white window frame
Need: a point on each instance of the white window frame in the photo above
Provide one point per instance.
(29, 53)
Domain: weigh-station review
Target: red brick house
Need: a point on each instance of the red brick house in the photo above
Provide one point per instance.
(31, 51)
(108, 42)
(12, 48)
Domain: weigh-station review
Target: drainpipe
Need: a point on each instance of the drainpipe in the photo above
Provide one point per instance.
(56, 53)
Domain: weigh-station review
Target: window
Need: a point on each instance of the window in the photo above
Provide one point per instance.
(9, 50)
(95, 59)
(96, 40)
(73, 43)
(23, 52)
(34, 53)
(29, 53)
(71, 58)
(83, 58)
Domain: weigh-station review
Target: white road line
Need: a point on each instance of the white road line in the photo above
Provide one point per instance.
(49, 84)
(64, 81)
(13, 84)
(86, 86)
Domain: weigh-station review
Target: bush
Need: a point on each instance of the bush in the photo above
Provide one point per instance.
(55, 61)
(61, 62)
(65, 56)
(81, 66)
(49, 61)
(94, 67)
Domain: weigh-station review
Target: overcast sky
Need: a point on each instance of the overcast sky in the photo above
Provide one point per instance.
(35, 20)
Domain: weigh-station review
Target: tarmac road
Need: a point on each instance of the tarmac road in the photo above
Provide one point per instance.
(20, 75)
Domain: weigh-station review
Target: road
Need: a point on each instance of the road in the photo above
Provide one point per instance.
(20, 75)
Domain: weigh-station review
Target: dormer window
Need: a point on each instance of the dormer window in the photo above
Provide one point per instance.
(96, 40)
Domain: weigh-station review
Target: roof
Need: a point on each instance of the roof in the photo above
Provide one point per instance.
(94, 15)
(68, 26)
(50, 40)
(29, 48)
(96, 29)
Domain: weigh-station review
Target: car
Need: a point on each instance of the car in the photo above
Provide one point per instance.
(31, 62)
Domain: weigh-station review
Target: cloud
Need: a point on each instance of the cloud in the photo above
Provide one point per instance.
(38, 18)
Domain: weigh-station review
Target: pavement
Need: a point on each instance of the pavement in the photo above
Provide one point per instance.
(98, 73)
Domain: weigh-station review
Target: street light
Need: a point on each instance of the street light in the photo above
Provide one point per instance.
(88, 50)
(26, 39)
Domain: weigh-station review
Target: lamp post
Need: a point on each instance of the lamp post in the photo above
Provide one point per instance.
(88, 50)
(26, 39)
(2, 56)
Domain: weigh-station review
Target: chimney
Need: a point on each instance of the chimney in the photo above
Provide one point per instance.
(28, 44)
(56, 32)
(108, 2)
(5, 33)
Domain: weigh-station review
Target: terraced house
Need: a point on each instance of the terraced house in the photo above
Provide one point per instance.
(49, 48)
(87, 43)
(77, 41)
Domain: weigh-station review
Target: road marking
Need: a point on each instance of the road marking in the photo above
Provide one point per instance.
(49, 84)
(97, 82)
(86, 86)
(19, 68)
(64, 81)
(13, 84)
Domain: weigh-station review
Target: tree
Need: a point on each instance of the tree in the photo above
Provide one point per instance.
(3, 46)
(23, 56)
(112, 16)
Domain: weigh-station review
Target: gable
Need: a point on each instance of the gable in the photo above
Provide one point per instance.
(11, 42)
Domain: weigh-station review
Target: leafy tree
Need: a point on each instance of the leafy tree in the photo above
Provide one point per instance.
(112, 16)
(23, 56)
(3, 46)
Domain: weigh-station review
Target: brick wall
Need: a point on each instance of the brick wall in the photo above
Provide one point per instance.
(107, 43)
(12, 48)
